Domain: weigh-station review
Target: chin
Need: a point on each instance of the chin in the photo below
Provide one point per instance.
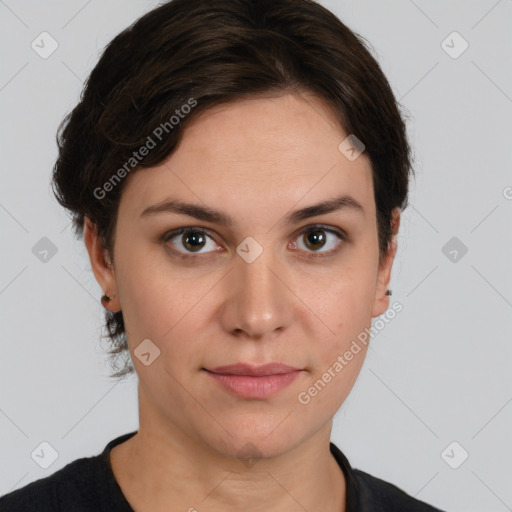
(255, 443)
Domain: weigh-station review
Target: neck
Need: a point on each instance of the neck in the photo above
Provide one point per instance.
(161, 465)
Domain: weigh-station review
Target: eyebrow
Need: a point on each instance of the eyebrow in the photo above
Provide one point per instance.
(204, 213)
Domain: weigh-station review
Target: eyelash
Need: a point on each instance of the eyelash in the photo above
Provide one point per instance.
(191, 229)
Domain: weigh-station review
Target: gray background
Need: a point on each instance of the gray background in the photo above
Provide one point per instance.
(439, 372)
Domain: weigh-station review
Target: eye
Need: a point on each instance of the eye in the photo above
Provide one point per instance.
(189, 241)
(315, 238)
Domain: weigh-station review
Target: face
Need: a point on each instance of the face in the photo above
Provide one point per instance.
(266, 287)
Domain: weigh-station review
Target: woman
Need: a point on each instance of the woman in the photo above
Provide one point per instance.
(237, 169)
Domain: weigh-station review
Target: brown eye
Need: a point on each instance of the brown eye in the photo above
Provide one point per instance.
(315, 240)
(193, 241)
(190, 240)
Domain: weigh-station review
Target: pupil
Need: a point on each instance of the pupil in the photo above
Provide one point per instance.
(196, 238)
(315, 238)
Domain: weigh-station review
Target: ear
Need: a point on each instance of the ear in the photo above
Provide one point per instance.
(381, 302)
(102, 267)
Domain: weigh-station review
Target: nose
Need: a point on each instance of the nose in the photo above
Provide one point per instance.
(258, 301)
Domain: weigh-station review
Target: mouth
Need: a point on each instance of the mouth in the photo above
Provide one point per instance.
(255, 382)
(253, 371)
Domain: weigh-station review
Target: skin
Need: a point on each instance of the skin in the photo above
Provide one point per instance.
(257, 161)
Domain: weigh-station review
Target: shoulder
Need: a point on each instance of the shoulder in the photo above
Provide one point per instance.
(367, 493)
(84, 485)
(62, 490)
(376, 494)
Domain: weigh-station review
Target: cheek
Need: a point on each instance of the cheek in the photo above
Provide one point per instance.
(338, 358)
(339, 351)
(147, 303)
(345, 302)
(159, 304)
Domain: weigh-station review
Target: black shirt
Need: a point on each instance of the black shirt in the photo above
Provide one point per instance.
(88, 485)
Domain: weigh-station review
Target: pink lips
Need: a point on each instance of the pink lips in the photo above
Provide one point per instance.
(254, 381)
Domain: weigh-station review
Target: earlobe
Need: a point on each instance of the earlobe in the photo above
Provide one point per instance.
(101, 265)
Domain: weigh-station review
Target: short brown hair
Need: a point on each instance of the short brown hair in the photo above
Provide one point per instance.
(215, 53)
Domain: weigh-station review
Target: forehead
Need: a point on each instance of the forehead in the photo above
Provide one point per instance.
(257, 156)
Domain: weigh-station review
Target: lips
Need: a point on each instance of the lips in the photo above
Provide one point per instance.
(253, 371)
(254, 382)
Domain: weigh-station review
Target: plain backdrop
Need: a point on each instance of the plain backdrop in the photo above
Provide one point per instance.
(436, 386)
